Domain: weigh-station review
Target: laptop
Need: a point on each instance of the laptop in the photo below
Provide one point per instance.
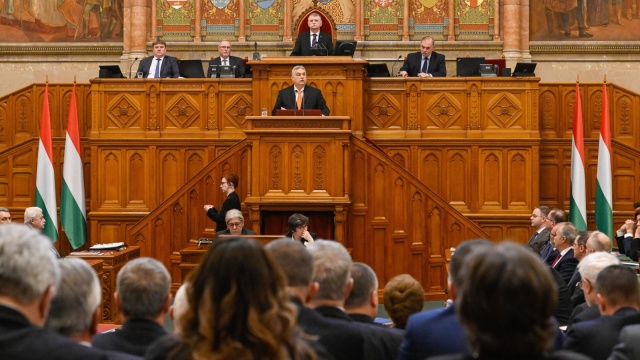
(191, 68)
(488, 70)
(377, 70)
(213, 70)
(524, 69)
(294, 112)
(110, 71)
(468, 66)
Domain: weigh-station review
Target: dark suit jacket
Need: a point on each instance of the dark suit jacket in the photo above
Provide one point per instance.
(596, 338)
(575, 291)
(233, 61)
(169, 68)
(232, 202)
(538, 243)
(566, 266)
(134, 337)
(312, 99)
(21, 340)
(584, 312)
(380, 343)
(563, 306)
(556, 355)
(628, 347)
(244, 231)
(436, 68)
(303, 44)
(432, 333)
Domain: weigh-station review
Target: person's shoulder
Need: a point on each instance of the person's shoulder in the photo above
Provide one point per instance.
(235, 57)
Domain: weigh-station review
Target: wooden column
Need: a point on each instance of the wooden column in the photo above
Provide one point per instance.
(198, 26)
(288, 14)
(452, 16)
(524, 30)
(359, 15)
(405, 20)
(154, 21)
(496, 20)
(242, 18)
(136, 25)
(512, 31)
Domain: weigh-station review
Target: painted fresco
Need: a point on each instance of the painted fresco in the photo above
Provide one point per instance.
(175, 20)
(430, 18)
(384, 19)
(585, 20)
(60, 20)
(263, 17)
(475, 20)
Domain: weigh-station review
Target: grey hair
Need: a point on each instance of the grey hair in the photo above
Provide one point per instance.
(600, 241)
(233, 213)
(364, 283)
(592, 264)
(31, 213)
(569, 231)
(297, 67)
(28, 267)
(4, 209)
(143, 285)
(332, 265)
(77, 297)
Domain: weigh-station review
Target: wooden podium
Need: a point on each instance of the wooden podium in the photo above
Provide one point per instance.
(340, 78)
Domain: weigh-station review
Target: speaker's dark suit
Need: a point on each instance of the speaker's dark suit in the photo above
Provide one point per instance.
(303, 43)
(312, 99)
(168, 69)
(436, 68)
(21, 340)
(233, 61)
(596, 338)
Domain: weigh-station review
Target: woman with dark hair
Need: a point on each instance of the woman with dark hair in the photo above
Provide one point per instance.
(241, 308)
(505, 304)
(228, 185)
(298, 226)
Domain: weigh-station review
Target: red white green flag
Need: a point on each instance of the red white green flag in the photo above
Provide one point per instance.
(578, 202)
(45, 177)
(604, 201)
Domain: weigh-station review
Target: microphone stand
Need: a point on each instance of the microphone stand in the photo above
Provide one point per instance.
(256, 54)
(131, 67)
(393, 68)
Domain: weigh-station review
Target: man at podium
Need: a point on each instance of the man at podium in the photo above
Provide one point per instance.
(299, 96)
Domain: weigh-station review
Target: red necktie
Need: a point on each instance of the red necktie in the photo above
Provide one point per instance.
(555, 262)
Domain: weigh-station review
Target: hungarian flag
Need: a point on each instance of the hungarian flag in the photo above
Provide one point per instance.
(578, 204)
(604, 203)
(73, 215)
(45, 178)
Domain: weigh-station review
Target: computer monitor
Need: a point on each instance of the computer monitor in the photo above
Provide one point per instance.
(191, 68)
(377, 70)
(502, 63)
(345, 47)
(525, 69)
(213, 70)
(110, 71)
(226, 71)
(469, 66)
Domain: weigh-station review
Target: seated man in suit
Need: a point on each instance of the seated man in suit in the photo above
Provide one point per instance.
(225, 58)
(426, 62)
(5, 216)
(143, 296)
(299, 96)
(562, 236)
(159, 65)
(29, 275)
(314, 38)
(235, 224)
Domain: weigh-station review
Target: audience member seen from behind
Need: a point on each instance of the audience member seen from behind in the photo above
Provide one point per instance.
(299, 96)
(298, 226)
(228, 185)
(76, 308)
(29, 275)
(226, 59)
(439, 332)
(5, 216)
(143, 296)
(628, 237)
(426, 62)
(313, 39)
(403, 297)
(589, 268)
(239, 307)
(159, 65)
(362, 303)
(235, 224)
(505, 305)
(618, 296)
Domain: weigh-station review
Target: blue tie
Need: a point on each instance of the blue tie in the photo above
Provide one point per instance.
(425, 65)
(157, 73)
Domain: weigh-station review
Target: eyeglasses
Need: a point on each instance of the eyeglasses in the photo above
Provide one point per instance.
(302, 227)
(535, 216)
(225, 47)
(223, 182)
(580, 283)
(234, 224)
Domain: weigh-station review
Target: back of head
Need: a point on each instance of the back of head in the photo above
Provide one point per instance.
(506, 302)
(618, 285)
(143, 285)
(592, 264)
(403, 296)
(599, 241)
(293, 259)
(459, 257)
(77, 297)
(332, 267)
(364, 283)
(558, 216)
(28, 267)
(240, 308)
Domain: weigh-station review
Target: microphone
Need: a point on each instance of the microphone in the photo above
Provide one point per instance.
(131, 67)
(325, 51)
(393, 68)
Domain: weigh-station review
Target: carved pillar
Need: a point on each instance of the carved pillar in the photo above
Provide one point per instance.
(524, 30)
(512, 31)
(198, 26)
(154, 21)
(405, 20)
(288, 14)
(496, 20)
(242, 19)
(451, 36)
(359, 15)
(135, 37)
